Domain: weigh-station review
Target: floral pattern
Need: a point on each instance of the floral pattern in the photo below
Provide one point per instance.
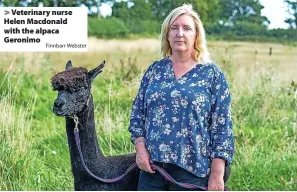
(186, 120)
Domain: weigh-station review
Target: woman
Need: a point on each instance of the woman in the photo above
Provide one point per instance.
(181, 116)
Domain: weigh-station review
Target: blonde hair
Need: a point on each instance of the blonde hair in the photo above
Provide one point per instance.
(201, 53)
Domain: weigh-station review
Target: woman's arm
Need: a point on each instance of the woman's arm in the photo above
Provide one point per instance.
(221, 131)
(221, 128)
(216, 181)
(137, 117)
(143, 159)
(137, 124)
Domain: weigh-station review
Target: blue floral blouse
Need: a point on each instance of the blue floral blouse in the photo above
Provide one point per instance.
(186, 121)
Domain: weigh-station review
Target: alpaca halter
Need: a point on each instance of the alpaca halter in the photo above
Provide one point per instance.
(131, 167)
(75, 118)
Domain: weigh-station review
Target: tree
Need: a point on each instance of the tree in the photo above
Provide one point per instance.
(120, 10)
(137, 16)
(233, 11)
(52, 3)
(64, 3)
(46, 3)
(207, 9)
(13, 3)
(142, 10)
(292, 10)
(138, 10)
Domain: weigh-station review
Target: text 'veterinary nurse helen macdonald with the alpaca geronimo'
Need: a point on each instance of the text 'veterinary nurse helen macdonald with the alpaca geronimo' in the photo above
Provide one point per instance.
(64, 45)
(44, 29)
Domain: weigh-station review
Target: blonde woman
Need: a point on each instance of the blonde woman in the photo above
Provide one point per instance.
(181, 116)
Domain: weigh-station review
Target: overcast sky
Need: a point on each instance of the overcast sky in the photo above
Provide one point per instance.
(274, 10)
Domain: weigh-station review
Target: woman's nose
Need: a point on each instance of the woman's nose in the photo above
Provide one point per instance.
(180, 32)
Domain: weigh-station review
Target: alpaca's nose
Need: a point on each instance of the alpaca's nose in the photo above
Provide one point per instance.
(59, 102)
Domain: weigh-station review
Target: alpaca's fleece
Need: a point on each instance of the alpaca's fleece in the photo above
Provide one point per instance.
(71, 79)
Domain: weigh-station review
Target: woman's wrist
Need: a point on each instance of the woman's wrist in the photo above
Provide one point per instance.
(218, 167)
(139, 144)
(139, 141)
(140, 147)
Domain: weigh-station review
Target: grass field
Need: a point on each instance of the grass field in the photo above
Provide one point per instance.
(33, 144)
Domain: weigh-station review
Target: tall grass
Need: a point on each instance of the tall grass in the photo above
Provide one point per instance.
(15, 145)
(33, 144)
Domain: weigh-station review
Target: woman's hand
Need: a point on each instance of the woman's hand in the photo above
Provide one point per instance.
(215, 183)
(143, 158)
(216, 178)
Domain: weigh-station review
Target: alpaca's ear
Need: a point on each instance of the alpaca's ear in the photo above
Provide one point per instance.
(68, 65)
(94, 72)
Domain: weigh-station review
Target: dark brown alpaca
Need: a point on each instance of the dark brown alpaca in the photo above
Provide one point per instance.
(74, 98)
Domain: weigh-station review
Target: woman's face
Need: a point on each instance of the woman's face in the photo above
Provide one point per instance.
(182, 34)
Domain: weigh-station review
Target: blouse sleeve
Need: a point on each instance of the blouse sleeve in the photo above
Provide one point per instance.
(137, 117)
(221, 122)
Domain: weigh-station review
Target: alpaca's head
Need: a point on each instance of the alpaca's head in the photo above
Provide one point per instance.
(74, 89)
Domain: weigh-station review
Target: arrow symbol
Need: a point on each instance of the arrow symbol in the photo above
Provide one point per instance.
(6, 12)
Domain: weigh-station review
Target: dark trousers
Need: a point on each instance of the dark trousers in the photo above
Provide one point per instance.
(156, 181)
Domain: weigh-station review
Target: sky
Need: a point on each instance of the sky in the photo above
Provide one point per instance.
(274, 10)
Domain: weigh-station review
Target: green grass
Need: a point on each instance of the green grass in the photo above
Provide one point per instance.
(33, 143)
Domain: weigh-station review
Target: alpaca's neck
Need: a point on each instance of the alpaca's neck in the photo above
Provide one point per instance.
(89, 143)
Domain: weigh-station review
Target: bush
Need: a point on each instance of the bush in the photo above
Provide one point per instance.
(144, 27)
(106, 28)
(112, 27)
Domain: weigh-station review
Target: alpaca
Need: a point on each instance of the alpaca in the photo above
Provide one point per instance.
(74, 98)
